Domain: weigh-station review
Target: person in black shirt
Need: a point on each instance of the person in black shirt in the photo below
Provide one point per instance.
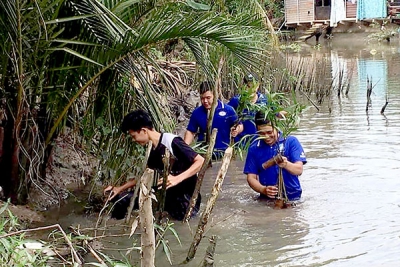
(183, 176)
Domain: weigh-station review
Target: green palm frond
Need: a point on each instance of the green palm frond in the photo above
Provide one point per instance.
(131, 11)
(202, 58)
(241, 37)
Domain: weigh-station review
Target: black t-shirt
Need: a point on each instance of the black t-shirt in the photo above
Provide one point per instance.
(183, 156)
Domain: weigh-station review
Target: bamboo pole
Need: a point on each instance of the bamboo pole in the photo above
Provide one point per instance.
(210, 204)
(146, 220)
(135, 193)
(201, 174)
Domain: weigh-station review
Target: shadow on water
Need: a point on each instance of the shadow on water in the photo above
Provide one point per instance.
(350, 209)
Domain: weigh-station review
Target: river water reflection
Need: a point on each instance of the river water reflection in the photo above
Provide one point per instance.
(350, 213)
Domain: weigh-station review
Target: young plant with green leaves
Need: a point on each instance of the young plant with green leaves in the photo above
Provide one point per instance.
(282, 111)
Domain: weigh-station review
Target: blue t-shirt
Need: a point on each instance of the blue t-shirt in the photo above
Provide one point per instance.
(224, 118)
(249, 126)
(259, 152)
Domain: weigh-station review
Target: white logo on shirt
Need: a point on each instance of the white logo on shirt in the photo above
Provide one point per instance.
(222, 113)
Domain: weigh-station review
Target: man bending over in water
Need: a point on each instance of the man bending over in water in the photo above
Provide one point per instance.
(183, 176)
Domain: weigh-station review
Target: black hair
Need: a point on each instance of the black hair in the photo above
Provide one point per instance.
(251, 77)
(136, 120)
(206, 86)
(261, 119)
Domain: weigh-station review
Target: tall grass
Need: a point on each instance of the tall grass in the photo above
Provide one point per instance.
(316, 77)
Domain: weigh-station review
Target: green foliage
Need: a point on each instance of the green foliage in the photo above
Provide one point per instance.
(384, 34)
(161, 231)
(12, 248)
(275, 8)
(283, 112)
(198, 6)
(317, 47)
(295, 47)
(111, 262)
(86, 63)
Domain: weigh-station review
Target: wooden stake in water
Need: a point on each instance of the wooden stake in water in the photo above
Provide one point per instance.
(135, 193)
(200, 176)
(210, 204)
(148, 243)
(209, 257)
(369, 92)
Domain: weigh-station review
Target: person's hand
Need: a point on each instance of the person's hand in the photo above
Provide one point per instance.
(283, 162)
(111, 191)
(270, 191)
(282, 114)
(171, 181)
(235, 130)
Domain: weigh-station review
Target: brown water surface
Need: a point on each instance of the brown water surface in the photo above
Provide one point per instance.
(350, 213)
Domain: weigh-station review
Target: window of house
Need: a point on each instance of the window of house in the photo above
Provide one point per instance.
(322, 2)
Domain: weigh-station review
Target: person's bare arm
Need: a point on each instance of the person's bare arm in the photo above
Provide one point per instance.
(295, 168)
(189, 136)
(269, 191)
(193, 169)
(112, 191)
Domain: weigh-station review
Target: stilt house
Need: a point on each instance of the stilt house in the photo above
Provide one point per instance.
(303, 12)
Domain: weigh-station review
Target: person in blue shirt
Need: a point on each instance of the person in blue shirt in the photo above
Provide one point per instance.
(253, 96)
(262, 176)
(225, 120)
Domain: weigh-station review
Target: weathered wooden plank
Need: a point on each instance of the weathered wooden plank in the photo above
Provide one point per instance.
(291, 11)
(351, 10)
(306, 10)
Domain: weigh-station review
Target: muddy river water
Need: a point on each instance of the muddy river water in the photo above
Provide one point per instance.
(350, 213)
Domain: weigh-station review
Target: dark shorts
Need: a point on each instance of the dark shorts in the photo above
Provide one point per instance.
(176, 206)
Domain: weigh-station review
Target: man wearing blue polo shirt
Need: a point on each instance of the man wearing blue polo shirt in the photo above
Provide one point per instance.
(262, 176)
(255, 97)
(224, 120)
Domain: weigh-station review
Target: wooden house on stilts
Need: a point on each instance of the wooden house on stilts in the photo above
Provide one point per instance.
(316, 15)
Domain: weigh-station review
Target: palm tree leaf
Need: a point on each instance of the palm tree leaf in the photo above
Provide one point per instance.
(75, 53)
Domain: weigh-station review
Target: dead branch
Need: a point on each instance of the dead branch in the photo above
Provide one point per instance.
(146, 220)
(201, 174)
(135, 193)
(73, 251)
(369, 92)
(209, 257)
(384, 106)
(210, 204)
(167, 168)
